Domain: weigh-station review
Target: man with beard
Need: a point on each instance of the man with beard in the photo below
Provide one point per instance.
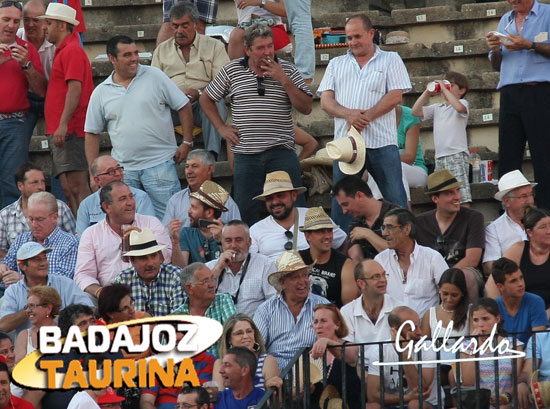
(516, 194)
(192, 60)
(279, 231)
(200, 241)
(240, 273)
(154, 285)
(100, 256)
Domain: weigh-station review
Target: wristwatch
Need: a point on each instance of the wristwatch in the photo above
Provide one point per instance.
(533, 46)
(188, 143)
(27, 65)
(199, 91)
(262, 5)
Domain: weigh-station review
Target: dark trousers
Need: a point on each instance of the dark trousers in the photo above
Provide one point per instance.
(525, 117)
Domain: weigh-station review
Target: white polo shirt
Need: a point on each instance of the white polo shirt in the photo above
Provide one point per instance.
(500, 235)
(419, 291)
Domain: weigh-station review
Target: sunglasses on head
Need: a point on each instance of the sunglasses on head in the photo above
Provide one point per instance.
(10, 3)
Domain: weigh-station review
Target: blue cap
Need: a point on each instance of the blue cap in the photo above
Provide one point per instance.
(31, 249)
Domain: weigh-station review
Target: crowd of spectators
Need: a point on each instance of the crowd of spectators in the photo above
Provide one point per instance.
(275, 276)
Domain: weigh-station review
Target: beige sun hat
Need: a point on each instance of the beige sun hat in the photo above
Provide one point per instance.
(349, 151)
(510, 181)
(440, 181)
(317, 219)
(142, 243)
(212, 194)
(287, 263)
(61, 12)
(278, 181)
(320, 158)
(540, 391)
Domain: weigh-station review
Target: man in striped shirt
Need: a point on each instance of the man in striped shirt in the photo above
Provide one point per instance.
(263, 92)
(362, 88)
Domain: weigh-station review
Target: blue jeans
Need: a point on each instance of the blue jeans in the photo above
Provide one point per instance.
(249, 172)
(160, 182)
(299, 17)
(14, 151)
(384, 164)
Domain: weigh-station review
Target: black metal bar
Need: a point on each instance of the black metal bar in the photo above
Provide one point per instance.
(458, 383)
(382, 382)
(401, 383)
(344, 385)
(307, 393)
(497, 386)
(363, 387)
(420, 382)
(514, 375)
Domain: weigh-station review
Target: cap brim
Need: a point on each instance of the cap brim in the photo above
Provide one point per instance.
(144, 252)
(278, 190)
(500, 194)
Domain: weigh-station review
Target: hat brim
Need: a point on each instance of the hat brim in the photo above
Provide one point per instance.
(203, 198)
(60, 18)
(46, 250)
(321, 158)
(144, 252)
(318, 227)
(275, 278)
(500, 194)
(278, 190)
(442, 189)
(357, 165)
(112, 399)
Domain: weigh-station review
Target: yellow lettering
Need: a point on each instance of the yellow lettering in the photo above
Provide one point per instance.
(125, 378)
(75, 374)
(165, 377)
(92, 374)
(186, 373)
(50, 367)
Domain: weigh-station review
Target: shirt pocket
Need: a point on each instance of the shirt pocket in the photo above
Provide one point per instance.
(376, 82)
(420, 288)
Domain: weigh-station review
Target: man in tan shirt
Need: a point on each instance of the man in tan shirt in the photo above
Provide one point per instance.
(192, 60)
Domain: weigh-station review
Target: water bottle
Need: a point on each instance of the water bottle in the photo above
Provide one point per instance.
(475, 161)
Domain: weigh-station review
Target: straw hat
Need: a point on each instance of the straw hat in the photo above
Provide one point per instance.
(276, 182)
(315, 371)
(320, 158)
(440, 181)
(349, 151)
(330, 398)
(510, 181)
(143, 243)
(212, 194)
(540, 391)
(109, 397)
(287, 263)
(61, 12)
(317, 219)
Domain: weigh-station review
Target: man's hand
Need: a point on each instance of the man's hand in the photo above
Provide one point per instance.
(192, 94)
(174, 228)
(225, 259)
(273, 68)
(4, 48)
(126, 233)
(20, 54)
(230, 134)
(359, 233)
(357, 119)
(216, 230)
(524, 396)
(516, 43)
(245, 3)
(493, 42)
(10, 276)
(59, 136)
(182, 152)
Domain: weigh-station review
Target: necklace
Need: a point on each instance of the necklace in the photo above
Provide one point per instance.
(446, 310)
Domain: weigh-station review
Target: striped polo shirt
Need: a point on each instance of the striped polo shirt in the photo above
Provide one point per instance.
(264, 121)
(362, 88)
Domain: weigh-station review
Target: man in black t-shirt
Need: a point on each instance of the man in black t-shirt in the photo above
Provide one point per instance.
(332, 275)
(456, 231)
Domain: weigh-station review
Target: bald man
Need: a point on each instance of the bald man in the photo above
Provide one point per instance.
(367, 316)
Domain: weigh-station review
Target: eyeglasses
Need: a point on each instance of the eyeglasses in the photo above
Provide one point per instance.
(289, 236)
(524, 196)
(376, 277)
(33, 306)
(184, 406)
(389, 227)
(38, 220)
(9, 3)
(440, 240)
(206, 281)
(112, 171)
(261, 86)
(128, 308)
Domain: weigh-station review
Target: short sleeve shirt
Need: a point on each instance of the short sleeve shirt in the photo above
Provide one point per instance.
(199, 247)
(531, 314)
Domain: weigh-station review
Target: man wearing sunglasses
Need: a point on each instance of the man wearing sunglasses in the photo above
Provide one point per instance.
(263, 92)
(20, 71)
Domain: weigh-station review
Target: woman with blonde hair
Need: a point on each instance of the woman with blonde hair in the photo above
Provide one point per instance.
(43, 305)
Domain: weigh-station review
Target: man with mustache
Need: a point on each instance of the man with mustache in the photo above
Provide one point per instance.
(240, 273)
(192, 60)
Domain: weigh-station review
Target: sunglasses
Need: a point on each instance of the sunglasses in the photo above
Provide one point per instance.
(261, 86)
(289, 236)
(9, 3)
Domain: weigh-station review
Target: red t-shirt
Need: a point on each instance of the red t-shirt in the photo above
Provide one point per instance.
(19, 403)
(75, 4)
(69, 63)
(13, 81)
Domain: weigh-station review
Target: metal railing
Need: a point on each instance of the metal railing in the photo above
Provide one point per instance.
(296, 377)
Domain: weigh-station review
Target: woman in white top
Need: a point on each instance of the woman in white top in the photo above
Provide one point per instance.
(454, 306)
(43, 304)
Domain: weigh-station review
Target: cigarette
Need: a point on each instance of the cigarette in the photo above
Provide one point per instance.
(233, 256)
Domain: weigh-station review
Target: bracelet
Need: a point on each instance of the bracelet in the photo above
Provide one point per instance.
(97, 292)
(188, 143)
(507, 397)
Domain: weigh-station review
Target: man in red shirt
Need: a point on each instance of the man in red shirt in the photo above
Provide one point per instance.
(71, 84)
(20, 70)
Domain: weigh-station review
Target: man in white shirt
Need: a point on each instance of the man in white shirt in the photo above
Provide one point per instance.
(240, 273)
(279, 231)
(367, 316)
(413, 270)
(516, 193)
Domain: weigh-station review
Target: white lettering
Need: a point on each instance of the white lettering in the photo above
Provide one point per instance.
(190, 331)
(74, 340)
(170, 343)
(48, 340)
(98, 333)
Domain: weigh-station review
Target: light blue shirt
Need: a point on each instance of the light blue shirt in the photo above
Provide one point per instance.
(178, 208)
(137, 118)
(90, 212)
(542, 348)
(15, 297)
(525, 66)
(283, 335)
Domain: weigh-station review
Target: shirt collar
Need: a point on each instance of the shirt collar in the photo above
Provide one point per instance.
(109, 80)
